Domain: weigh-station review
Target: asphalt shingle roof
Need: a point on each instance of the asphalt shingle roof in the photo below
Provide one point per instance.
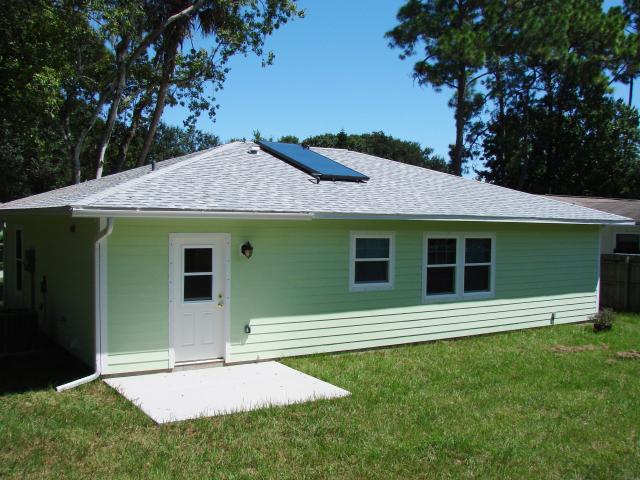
(230, 179)
(627, 207)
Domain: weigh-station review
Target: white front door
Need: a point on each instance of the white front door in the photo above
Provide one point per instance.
(198, 305)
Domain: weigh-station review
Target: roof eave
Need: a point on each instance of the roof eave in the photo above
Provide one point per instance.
(36, 211)
(471, 218)
(271, 215)
(213, 214)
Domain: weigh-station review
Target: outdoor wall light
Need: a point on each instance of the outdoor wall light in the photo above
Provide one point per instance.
(246, 249)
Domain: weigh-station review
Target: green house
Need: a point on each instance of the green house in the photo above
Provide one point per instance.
(240, 253)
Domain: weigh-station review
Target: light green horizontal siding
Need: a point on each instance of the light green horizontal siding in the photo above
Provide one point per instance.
(294, 291)
(65, 258)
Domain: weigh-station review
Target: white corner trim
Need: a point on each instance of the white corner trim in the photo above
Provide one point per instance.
(366, 287)
(100, 295)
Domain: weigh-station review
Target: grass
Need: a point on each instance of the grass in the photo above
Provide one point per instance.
(497, 406)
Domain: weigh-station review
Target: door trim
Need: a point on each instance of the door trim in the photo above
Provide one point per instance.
(201, 237)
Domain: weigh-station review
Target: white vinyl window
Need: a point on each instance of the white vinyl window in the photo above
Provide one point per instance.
(441, 275)
(458, 266)
(198, 274)
(371, 261)
(478, 265)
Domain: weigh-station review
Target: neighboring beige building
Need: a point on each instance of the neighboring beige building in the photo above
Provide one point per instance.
(614, 238)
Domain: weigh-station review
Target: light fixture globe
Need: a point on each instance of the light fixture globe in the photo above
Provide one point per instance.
(246, 249)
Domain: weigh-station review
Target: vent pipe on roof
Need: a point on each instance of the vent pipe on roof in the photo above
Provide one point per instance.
(254, 150)
(153, 165)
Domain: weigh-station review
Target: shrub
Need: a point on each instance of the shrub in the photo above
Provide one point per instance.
(603, 320)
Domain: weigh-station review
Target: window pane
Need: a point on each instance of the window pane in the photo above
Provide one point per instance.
(477, 278)
(372, 248)
(18, 244)
(372, 272)
(627, 243)
(198, 287)
(477, 250)
(441, 280)
(19, 276)
(197, 260)
(441, 251)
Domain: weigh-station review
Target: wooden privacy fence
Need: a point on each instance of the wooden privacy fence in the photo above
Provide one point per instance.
(620, 282)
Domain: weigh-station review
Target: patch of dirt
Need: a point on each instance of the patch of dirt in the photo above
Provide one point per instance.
(578, 348)
(631, 355)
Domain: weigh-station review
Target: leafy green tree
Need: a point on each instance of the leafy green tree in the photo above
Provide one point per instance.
(552, 125)
(450, 38)
(381, 145)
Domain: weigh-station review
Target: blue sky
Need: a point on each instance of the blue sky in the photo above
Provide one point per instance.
(333, 70)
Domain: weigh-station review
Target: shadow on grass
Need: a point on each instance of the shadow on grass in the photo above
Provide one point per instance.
(44, 368)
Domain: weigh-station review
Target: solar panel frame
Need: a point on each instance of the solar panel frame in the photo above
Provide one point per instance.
(313, 163)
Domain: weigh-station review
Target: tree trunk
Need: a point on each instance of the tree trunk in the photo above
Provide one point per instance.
(115, 104)
(630, 91)
(136, 118)
(458, 151)
(168, 67)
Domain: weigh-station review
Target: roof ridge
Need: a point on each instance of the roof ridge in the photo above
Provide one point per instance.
(88, 200)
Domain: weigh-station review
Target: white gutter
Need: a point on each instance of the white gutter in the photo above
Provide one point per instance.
(99, 299)
(465, 218)
(232, 215)
(228, 215)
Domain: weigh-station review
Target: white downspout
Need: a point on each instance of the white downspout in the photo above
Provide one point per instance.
(98, 299)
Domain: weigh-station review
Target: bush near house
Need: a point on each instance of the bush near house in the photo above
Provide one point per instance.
(554, 402)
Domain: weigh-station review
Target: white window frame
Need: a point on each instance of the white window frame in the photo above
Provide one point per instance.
(425, 264)
(460, 264)
(363, 287)
(492, 265)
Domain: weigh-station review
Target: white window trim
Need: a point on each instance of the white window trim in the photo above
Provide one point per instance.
(363, 287)
(425, 258)
(492, 273)
(460, 264)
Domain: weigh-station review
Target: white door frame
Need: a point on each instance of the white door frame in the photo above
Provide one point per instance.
(201, 237)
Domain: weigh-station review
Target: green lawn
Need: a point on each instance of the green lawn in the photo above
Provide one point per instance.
(498, 406)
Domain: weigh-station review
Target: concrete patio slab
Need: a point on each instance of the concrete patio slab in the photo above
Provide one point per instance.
(207, 392)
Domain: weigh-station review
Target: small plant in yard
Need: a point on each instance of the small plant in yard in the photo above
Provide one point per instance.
(603, 320)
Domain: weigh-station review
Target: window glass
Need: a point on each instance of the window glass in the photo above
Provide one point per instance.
(372, 260)
(198, 260)
(477, 278)
(19, 244)
(198, 288)
(372, 248)
(477, 250)
(441, 266)
(442, 251)
(19, 263)
(198, 274)
(627, 243)
(372, 272)
(441, 280)
(477, 268)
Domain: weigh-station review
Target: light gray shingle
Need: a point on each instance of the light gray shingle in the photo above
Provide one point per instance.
(228, 178)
